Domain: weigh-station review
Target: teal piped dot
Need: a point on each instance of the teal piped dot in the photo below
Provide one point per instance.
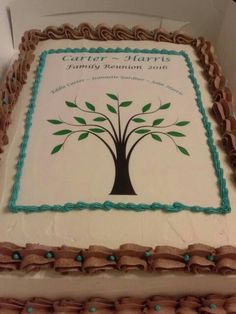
(148, 253)
(92, 309)
(212, 306)
(186, 257)
(29, 309)
(157, 308)
(211, 257)
(16, 256)
(112, 258)
(49, 255)
(79, 258)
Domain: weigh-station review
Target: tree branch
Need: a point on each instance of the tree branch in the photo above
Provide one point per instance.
(103, 115)
(100, 138)
(154, 132)
(136, 115)
(148, 126)
(94, 125)
(118, 113)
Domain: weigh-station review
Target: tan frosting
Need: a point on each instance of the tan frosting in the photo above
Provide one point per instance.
(225, 94)
(228, 124)
(196, 258)
(217, 304)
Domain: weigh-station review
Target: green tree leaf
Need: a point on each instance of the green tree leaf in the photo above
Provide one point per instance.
(183, 150)
(177, 134)
(157, 121)
(111, 109)
(55, 121)
(99, 119)
(71, 104)
(182, 123)
(62, 132)
(83, 136)
(125, 103)
(138, 120)
(142, 131)
(56, 149)
(97, 130)
(165, 106)
(146, 107)
(112, 96)
(80, 120)
(156, 137)
(91, 107)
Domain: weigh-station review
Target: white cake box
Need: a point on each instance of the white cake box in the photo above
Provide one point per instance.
(214, 20)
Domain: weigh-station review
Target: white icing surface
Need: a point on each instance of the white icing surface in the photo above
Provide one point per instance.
(83, 228)
(74, 174)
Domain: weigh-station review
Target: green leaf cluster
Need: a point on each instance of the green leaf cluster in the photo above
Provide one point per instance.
(83, 136)
(142, 131)
(97, 130)
(55, 121)
(80, 120)
(99, 119)
(182, 123)
(62, 132)
(138, 120)
(146, 108)
(112, 96)
(90, 106)
(156, 137)
(111, 109)
(183, 150)
(157, 122)
(125, 103)
(165, 106)
(176, 134)
(71, 104)
(56, 149)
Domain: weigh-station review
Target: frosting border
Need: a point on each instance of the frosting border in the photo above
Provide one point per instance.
(108, 205)
(184, 304)
(195, 258)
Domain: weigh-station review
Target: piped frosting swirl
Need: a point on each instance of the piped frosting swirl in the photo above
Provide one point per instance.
(196, 258)
(127, 305)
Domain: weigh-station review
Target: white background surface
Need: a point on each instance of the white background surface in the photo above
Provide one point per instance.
(226, 45)
(6, 49)
(214, 19)
(205, 16)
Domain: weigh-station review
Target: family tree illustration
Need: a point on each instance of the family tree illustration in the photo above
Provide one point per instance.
(121, 152)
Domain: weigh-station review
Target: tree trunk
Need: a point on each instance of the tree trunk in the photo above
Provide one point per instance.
(122, 183)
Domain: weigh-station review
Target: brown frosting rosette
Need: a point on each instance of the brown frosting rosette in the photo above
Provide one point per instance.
(211, 304)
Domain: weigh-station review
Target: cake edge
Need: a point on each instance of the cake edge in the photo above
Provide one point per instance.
(196, 258)
(185, 304)
(222, 110)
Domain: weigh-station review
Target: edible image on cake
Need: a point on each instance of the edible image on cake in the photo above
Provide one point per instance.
(118, 146)
(116, 129)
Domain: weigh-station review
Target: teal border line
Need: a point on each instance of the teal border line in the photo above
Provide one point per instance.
(107, 205)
